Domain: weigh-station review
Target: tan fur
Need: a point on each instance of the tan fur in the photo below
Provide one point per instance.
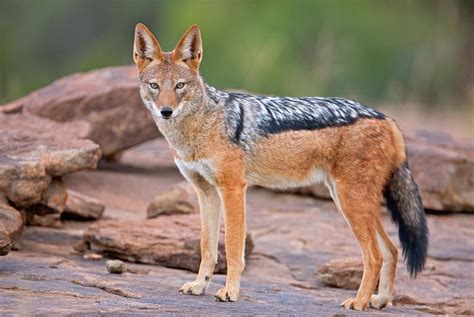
(355, 161)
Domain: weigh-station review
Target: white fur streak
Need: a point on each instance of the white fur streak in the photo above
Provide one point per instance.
(384, 287)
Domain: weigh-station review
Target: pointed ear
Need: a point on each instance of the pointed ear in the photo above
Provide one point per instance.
(145, 47)
(189, 48)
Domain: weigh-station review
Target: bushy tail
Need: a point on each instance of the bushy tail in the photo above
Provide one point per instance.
(404, 202)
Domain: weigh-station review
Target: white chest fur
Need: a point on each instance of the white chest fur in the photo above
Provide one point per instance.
(201, 167)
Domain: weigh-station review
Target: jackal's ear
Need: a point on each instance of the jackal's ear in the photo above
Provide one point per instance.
(145, 47)
(189, 48)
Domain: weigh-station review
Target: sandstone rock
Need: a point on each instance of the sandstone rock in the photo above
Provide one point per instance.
(5, 241)
(53, 201)
(172, 241)
(81, 246)
(47, 220)
(443, 168)
(11, 220)
(115, 266)
(342, 273)
(82, 207)
(11, 226)
(34, 151)
(107, 99)
(55, 196)
(179, 199)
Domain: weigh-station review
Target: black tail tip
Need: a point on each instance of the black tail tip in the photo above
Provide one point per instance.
(415, 250)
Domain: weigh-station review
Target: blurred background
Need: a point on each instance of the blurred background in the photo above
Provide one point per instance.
(412, 58)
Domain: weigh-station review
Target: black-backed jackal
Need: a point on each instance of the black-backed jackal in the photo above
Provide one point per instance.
(223, 142)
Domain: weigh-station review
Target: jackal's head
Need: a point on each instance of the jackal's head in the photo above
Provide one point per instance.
(170, 84)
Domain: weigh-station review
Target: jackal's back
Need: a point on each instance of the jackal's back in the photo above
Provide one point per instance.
(250, 117)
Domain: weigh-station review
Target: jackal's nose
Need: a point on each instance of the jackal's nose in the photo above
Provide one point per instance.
(166, 112)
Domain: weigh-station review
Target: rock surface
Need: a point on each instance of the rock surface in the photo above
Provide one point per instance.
(107, 99)
(171, 241)
(342, 273)
(294, 235)
(79, 206)
(179, 199)
(443, 168)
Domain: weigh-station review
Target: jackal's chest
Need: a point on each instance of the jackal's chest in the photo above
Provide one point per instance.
(202, 167)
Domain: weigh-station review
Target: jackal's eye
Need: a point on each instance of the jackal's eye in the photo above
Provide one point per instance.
(180, 85)
(154, 86)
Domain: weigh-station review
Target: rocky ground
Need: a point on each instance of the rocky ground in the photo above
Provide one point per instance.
(294, 235)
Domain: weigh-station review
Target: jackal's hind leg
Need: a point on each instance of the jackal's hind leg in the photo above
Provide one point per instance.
(387, 273)
(361, 214)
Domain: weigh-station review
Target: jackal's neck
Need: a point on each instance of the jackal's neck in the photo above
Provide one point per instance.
(187, 134)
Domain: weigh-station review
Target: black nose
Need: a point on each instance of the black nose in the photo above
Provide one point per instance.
(166, 112)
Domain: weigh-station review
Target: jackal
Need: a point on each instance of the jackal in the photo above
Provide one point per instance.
(223, 142)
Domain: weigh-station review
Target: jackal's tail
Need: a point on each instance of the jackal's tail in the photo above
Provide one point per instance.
(404, 202)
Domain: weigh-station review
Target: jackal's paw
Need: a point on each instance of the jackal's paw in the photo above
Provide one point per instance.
(353, 303)
(194, 288)
(378, 301)
(227, 294)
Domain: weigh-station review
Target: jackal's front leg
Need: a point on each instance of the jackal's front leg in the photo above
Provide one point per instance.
(209, 205)
(233, 200)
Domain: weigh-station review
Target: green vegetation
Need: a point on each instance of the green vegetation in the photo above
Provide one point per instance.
(391, 51)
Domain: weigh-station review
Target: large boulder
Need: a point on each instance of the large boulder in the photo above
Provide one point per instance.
(34, 154)
(107, 99)
(34, 151)
(171, 241)
(443, 168)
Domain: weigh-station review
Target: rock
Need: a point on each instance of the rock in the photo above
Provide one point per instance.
(11, 220)
(48, 220)
(179, 199)
(115, 266)
(171, 241)
(52, 201)
(107, 99)
(81, 246)
(342, 273)
(79, 206)
(35, 152)
(5, 241)
(443, 168)
(55, 196)
(11, 226)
